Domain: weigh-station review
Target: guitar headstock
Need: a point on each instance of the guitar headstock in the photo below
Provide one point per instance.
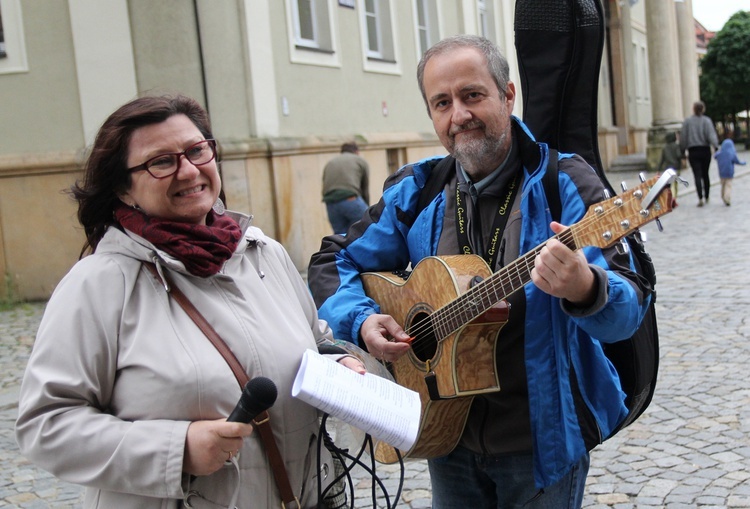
(607, 222)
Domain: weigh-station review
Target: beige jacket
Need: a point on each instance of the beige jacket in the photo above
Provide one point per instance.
(118, 371)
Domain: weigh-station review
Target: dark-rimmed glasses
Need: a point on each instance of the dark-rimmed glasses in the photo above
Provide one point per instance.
(166, 165)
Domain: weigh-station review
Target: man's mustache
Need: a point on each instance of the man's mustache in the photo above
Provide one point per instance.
(477, 124)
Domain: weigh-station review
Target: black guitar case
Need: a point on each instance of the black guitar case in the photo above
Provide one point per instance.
(559, 44)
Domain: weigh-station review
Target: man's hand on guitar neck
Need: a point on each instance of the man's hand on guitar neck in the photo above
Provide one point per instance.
(563, 273)
(385, 339)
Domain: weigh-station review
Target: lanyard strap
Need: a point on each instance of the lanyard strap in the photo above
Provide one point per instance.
(498, 224)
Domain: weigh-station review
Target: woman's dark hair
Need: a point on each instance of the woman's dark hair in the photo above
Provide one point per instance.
(105, 174)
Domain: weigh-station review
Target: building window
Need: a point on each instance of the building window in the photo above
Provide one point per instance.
(645, 88)
(372, 22)
(12, 46)
(378, 29)
(426, 17)
(312, 38)
(484, 19)
(311, 24)
(378, 37)
(304, 23)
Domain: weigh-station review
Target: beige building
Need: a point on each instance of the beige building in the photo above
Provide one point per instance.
(285, 82)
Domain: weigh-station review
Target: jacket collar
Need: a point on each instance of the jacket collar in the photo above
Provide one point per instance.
(531, 151)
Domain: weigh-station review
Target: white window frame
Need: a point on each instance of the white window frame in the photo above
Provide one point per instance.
(482, 16)
(486, 19)
(15, 47)
(320, 51)
(645, 88)
(298, 38)
(431, 28)
(376, 17)
(385, 59)
(642, 89)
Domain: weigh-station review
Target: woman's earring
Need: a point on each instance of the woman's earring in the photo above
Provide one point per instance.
(219, 207)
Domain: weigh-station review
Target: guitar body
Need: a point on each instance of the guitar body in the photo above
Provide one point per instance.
(463, 362)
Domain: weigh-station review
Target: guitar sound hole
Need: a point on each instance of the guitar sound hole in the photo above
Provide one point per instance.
(424, 345)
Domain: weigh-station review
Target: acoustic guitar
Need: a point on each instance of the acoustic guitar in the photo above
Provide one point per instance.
(454, 308)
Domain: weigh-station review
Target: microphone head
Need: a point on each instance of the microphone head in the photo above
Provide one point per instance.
(258, 395)
(262, 390)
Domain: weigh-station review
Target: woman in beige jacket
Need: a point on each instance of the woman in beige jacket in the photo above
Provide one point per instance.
(123, 393)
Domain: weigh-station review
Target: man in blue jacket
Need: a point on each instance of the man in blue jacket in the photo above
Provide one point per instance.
(526, 445)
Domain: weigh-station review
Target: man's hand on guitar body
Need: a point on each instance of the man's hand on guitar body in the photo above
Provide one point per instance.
(385, 339)
(563, 273)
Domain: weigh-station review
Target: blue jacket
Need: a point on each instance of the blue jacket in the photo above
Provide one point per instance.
(726, 158)
(394, 233)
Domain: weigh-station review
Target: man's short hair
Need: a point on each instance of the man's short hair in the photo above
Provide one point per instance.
(497, 64)
(349, 147)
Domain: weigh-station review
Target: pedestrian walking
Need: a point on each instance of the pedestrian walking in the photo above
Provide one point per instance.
(697, 136)
(671, 157)
(346, 188)
(726, 158)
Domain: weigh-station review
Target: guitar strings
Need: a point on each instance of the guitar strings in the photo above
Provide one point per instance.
(452, 312)
(441, 321)
(446, 319)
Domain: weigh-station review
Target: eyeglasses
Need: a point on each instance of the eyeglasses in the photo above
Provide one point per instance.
(166, 165)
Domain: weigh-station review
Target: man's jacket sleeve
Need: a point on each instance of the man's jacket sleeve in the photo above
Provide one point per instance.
(377, 242)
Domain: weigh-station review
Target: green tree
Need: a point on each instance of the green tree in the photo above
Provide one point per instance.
(725, 78)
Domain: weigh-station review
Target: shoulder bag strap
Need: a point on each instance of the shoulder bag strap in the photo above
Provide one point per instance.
(263, 421)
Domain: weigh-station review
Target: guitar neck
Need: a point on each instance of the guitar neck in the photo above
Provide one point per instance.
(492, 290)
(603, 225)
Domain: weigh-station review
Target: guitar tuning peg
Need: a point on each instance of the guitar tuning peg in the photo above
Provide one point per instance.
(642, 177)
(658, 225)
(623, 186)
(622, 247)
(606, 194)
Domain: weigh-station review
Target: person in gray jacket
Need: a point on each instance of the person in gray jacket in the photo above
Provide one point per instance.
(123, 393)
(698, 135)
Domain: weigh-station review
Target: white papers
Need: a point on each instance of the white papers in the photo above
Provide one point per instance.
(380, 407)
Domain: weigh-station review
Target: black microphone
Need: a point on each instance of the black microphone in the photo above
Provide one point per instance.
(258, 395)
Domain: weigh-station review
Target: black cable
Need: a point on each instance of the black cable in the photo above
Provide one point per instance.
(343, 454)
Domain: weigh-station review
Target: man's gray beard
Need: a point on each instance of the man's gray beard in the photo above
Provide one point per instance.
(479, 157)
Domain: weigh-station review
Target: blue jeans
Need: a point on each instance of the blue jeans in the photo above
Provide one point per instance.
(464, 479)
(342, 214)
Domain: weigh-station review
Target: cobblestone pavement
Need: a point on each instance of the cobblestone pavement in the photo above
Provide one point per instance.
(690, 449)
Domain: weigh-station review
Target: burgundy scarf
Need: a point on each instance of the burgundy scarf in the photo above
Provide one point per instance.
(202, 248)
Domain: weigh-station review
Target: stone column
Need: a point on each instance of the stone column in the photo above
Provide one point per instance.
(688, 55)
(663, 61)
(664, 78)
(619, 25)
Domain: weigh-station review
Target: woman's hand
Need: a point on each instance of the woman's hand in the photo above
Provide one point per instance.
(211, 443)
(354, 364)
